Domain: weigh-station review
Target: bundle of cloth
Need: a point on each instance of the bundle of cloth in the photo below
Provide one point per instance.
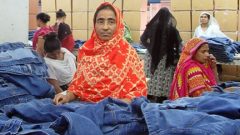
(215, 113)
(22, 75)
(223, 48)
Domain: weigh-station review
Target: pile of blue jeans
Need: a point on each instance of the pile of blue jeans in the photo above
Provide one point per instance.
(22, 75)
(215, 113)
(223, 49)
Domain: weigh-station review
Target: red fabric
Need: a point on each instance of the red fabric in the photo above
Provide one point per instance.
(41, 32)
(108, 68)
(68, 42)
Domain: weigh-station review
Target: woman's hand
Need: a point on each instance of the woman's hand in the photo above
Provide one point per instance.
(212, 62)
(63, 98)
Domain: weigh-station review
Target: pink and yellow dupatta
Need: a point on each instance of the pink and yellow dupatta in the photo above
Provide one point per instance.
(180, 86)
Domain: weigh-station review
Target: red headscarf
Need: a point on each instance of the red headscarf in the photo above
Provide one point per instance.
(108, 68)
(202, 74)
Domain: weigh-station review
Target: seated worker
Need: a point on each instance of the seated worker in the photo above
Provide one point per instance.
(64, 31)
(107, 65)
(42, 20)
(196, 71)
(208, 27)
(60, 62)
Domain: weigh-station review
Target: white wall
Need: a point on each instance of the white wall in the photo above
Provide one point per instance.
(14, 21)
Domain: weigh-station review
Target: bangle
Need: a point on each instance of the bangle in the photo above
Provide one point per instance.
(64, 93)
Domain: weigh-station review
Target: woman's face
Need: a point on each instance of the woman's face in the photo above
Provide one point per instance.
(202, 54)
(204, 19)
(105, 24)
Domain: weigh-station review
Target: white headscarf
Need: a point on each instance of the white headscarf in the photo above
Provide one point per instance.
(213, 29)
(212, 20)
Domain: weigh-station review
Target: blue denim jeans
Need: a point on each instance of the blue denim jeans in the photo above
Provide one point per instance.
(212, 113)
(34, 85)
(12, 94)
(15, 59)
(39, 111)
(74, 124)
(109, 117)
(39, 70)
(10, 127)
(10, 46)
(17, 55)
(222, 48)
(178, 122)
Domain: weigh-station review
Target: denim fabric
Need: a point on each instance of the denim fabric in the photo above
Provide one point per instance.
(237, 46)
(172, 121)
(11, 94)
(123, 119)
(15, 59)
(228, 84)
(195, 115)
(34, 85)
(79, 43)
(26, 69)
(30, 34)
(115, 117)
(38, 111)
(112, 116)
(223, 104)
(19, 56)
(222, 48)
(10, 127)
(10, 46)
(201, 115)
(217, 102)
(38, 132)
(75, 124)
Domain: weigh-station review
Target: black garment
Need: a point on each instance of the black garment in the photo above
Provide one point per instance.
(162, 38)
(156, 99)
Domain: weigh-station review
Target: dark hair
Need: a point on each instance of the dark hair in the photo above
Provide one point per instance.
(43, 17)
(52, 43)
(103, 7)
(60, 13)
(208, 16)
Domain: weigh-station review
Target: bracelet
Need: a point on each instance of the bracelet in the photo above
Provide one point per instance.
(64, 93)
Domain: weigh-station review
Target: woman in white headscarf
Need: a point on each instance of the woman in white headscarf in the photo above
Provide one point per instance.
(208, 27)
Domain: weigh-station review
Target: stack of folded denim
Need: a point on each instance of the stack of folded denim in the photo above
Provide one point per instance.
(22, 75)
(30, 34)
(236, 45)
(79, 43)
(222, 48)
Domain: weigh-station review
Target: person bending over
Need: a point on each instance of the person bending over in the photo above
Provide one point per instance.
(61, 63)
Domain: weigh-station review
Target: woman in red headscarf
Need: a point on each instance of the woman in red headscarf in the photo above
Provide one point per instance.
(196, 71)
(107, 65)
